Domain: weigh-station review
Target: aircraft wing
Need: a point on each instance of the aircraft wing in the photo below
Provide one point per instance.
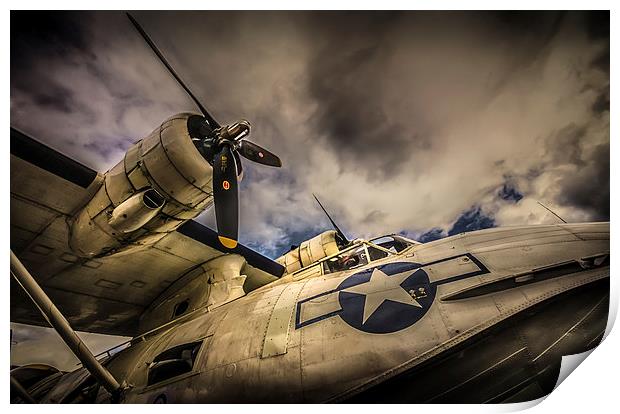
(104, 295)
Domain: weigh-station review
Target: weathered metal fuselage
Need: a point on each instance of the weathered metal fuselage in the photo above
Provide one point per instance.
(482, 316)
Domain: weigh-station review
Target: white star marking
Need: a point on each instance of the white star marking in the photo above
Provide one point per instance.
(380, 288)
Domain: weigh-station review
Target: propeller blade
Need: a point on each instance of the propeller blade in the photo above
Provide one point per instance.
(255, 153)
(226, 197)
(212, 122)
(239, 166)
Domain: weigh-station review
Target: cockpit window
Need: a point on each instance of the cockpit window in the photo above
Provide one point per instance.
(394, 244)
(354, 257)
(173, 362)
(350, 259)
(376, 254)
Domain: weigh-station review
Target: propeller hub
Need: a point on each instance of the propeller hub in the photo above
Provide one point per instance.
(233, 132)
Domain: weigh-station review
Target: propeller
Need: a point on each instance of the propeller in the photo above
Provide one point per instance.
(210, 120)
(226, 195)
(255, 153)
(221, 146)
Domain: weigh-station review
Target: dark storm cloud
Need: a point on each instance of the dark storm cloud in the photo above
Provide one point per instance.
(345, 77)
(37, 37)
(597, 23)
(75, 84)
(363, 122)
(602, 61)
(396, 119)
(601, 104)
(589, 189)
(569, 139)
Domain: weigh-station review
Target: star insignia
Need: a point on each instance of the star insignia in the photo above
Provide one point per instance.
(380, 288)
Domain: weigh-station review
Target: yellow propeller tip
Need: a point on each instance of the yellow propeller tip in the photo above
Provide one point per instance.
(226, 242)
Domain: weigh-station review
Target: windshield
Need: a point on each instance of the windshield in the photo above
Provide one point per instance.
(360, 254)
(395, 244)
(352, 258)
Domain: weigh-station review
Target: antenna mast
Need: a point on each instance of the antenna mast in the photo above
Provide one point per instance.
(551, 211)
(338, 231)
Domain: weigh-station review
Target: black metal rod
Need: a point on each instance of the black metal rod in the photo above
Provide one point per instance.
(551, 211)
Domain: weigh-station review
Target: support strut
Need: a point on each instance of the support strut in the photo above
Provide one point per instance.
(61, 325)
(21, 391)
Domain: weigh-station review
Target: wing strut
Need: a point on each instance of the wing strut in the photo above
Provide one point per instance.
(21, 391)
(61, 325)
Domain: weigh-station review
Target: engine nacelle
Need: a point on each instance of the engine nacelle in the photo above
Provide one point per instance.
(165, 166)
(311, 251)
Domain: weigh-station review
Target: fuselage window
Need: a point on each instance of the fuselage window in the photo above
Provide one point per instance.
(348, 260)
(173, 362)
(180, 308)
(376, 254)
(353, 258)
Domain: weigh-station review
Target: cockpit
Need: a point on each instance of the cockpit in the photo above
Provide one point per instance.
(393, 243)
(358, 254)
(363, 252)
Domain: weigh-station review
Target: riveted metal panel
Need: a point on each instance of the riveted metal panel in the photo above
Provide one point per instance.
(138, 179)
(320, 306)
(150, 142)
(204, 204)
(304, 253)
(457, 266)
(292, 261)
(37, 217)
(132, 156)
(98, 203)
(117, 185)
(184, 156)
(520, 258)
(310, 251)
(315, 249)
(163, 224)
(179, 211)
(328, 240)
(276, 338)
(34, 183)
(311, 271)
(169, 179)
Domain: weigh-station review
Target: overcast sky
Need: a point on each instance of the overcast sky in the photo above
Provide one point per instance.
(420, 123)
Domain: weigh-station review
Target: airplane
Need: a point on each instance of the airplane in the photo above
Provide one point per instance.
(483, 316)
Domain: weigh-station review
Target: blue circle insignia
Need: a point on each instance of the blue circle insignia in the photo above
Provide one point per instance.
(386, 298)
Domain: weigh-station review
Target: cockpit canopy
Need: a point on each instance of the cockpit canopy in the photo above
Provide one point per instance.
(358, 254)
(363, 252)
(393, 243)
